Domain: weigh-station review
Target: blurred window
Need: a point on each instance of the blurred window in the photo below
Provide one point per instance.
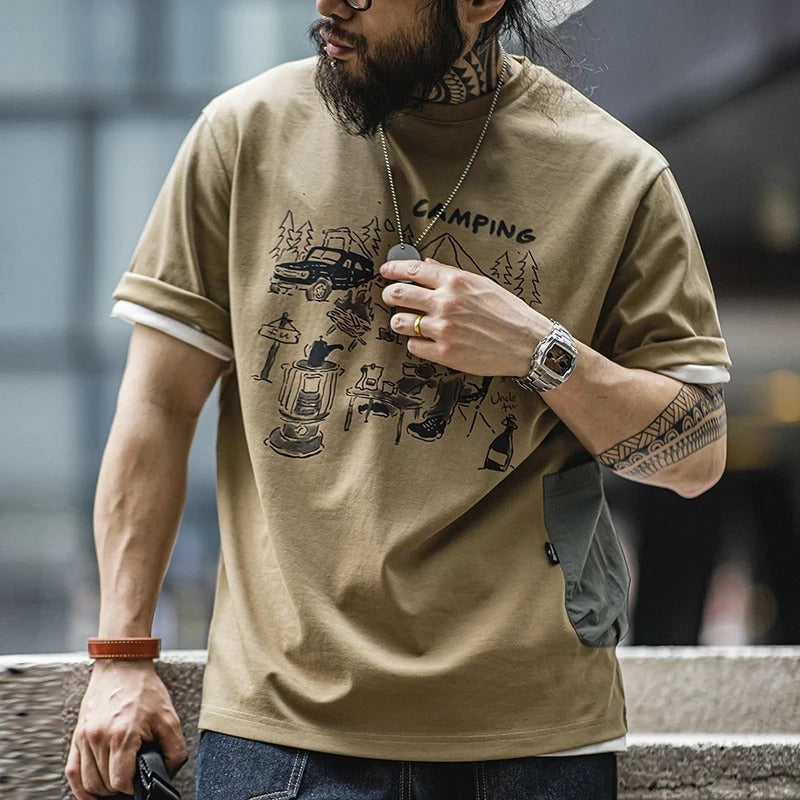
(39, 225)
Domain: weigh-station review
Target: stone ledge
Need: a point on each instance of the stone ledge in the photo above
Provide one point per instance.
(710, 723)
(673, 766)
(712, 689)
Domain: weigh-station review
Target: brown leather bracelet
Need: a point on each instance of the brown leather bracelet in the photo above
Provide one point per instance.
(131, 647)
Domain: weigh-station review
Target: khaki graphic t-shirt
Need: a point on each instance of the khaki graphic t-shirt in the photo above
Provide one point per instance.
(415, 563)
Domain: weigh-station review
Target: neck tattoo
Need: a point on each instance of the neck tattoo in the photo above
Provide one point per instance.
(404, 251)
(473, 75)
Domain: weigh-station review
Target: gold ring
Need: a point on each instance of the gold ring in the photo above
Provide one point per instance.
(417, 331)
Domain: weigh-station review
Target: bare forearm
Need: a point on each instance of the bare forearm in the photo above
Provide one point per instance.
(645, 426)
(140, 495)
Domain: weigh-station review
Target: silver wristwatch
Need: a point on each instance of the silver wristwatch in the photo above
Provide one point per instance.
(552, 362)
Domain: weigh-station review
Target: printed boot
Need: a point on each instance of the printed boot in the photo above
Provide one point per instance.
(430, 429)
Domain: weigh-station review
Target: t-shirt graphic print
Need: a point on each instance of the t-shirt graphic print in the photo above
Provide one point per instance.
(337, 271)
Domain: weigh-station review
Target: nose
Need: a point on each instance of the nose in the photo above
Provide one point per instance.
(335, 8)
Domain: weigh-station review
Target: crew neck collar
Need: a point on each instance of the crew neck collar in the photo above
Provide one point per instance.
(513, 87)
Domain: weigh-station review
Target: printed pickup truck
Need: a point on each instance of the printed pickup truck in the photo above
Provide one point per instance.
(322, 271)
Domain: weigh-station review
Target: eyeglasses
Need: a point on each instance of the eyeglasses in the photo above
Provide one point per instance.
(359, 5)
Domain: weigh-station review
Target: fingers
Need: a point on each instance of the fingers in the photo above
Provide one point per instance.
(100, 764)
(90, 774)
(84, 775)
(428, 273)
(93, 771)
(73, 773)
(429, 351)
(95, 759)
(403, 324)
(172, 742)
(423, 344)
(407, 295)
(122, 766)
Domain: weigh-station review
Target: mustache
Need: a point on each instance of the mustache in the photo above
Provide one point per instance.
(329, 28)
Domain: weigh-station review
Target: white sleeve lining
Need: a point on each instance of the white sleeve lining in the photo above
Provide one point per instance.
(133, 312)
(619, 745)
(698, 373)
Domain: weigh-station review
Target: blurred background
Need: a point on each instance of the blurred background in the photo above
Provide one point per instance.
(95, 97)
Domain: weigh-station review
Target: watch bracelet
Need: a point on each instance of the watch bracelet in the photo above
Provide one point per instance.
(535, 380)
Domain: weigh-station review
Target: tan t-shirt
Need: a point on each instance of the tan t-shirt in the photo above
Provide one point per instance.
(397, 577)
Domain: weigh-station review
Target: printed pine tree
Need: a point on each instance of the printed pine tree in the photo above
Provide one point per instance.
(293, 244)
(537, 298)
(408, 231)
(287, 232)
(305, 239)
(502, 263)
(519, 280)
(508, 270)
(529, 270)
(371, 236)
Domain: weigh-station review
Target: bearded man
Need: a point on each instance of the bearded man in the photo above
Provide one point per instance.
(481, 288)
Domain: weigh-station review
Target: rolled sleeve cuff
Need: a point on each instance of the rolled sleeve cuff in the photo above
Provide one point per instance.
(683, 356)
(135, 313)
(192, 309)
(698, 373)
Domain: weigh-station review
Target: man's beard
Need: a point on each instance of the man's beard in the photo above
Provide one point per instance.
(400, 76)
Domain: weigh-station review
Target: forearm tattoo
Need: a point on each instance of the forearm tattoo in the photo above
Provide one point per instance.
(472, 76)
(692, 421)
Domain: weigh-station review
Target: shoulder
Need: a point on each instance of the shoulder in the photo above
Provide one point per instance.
(291, 83)
(282, 95)
(587, 135)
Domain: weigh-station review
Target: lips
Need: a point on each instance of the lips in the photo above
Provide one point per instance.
(336, 49)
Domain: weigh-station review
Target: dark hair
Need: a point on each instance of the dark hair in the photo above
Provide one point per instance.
(522, 26)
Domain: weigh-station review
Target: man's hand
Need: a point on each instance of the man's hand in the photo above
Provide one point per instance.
(125, 704)
(470, 323)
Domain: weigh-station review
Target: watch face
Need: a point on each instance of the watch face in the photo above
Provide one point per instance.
(558, 360)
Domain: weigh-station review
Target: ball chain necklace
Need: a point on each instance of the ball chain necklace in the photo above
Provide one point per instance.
(408, 250)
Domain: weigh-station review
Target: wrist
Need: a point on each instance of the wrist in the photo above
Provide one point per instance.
(525, 341)
(120, 622)
(114, 665)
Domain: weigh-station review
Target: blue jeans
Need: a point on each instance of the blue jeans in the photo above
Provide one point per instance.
(231, 768)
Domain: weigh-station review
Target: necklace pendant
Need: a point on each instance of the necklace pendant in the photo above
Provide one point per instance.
(404, 252)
